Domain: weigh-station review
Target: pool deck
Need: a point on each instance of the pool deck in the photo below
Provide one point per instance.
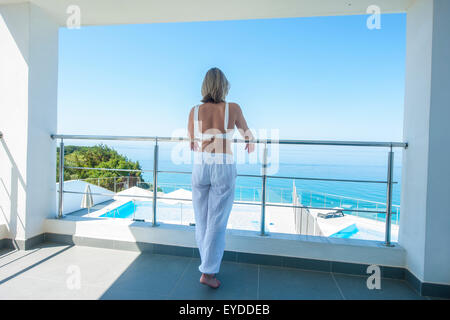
(51, 271)
(247, 217)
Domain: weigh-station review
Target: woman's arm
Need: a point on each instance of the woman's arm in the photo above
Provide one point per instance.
(194, 145)
(245, 132)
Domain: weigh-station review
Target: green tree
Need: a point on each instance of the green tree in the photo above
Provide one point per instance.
(101, 156)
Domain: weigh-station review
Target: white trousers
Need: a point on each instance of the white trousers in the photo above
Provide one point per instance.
(213, 185)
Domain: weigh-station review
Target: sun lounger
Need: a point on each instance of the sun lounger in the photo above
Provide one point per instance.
(331, 213)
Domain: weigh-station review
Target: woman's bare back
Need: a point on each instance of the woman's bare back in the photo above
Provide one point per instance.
(211, 118)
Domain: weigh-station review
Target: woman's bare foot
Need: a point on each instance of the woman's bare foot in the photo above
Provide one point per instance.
(210, 280)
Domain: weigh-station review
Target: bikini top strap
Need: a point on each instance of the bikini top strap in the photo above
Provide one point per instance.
(226, 118)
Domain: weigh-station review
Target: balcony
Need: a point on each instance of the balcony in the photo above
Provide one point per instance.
(267, 255)
(48, 232)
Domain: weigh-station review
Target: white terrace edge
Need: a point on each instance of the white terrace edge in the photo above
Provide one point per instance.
(286, 245)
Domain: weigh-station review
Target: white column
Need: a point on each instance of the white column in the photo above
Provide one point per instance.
(425, 213)
(28, 87)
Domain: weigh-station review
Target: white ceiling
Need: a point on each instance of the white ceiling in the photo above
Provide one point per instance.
(104, 12)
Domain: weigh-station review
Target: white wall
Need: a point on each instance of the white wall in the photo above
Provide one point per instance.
(415, 132)
(107, 12)
(425, 220)
(437, 244)
(72, 201)
(28, 87)
(14, 55)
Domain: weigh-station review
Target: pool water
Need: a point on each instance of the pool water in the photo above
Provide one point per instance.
(143, 210)
(124, 211)
(356, 231)
(346, 233)
(241, 218)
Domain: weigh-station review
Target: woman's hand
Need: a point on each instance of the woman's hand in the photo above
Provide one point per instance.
(194, 146)
(250, 147)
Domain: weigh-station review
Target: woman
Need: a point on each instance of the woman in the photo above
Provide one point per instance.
(214, 171)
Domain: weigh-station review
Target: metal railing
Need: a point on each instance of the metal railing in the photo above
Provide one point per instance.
(389, 181)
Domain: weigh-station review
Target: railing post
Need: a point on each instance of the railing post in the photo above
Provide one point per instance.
(387, 241)
(263, 193)
(61, 179)
(155, 181)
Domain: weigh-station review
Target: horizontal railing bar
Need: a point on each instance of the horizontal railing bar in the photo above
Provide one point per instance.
(322, 208)
(344, 197)
(108, 194)
(264, 141)
(239, 175)
(236, 202)
(189, 172)
(107, 169)
(326, 179)
(169, 184)
(250, 175)
(180, 172)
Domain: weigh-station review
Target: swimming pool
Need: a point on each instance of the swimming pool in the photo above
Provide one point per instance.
(346, 233)
(243, 217)
(124, 211)
(142, 210)
(356, 231)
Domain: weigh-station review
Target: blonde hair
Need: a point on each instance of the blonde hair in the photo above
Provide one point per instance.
(215, 86)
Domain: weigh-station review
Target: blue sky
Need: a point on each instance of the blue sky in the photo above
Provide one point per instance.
(311, 78)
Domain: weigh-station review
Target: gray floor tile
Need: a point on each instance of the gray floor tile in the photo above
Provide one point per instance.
(355, 288)
(43, 273)
(151, 273)
(95, 266)
(262, 259)
(125, 294)
(26, 288)
(21, 261)
(238, 281)
(291, 284)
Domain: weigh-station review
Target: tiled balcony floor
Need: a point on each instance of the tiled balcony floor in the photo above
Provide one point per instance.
(47, 271)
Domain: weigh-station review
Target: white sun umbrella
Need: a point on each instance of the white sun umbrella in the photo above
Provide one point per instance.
(134, 194)
(181, 195)
(87, 201)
